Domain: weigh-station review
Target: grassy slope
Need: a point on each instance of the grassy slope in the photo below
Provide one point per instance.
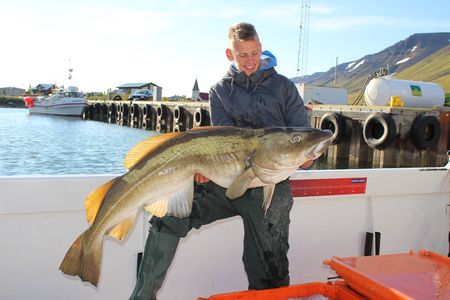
(435, 68)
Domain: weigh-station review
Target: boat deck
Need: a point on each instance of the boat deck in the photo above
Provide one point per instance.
(333, 210)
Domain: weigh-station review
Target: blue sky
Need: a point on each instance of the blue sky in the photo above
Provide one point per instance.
(170, 43)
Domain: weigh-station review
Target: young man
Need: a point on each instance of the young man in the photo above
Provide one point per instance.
(251, 94)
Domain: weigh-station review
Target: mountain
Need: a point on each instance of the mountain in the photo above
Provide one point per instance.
(434, 68)
(420, 57)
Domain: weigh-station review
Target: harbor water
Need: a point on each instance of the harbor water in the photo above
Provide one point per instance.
(32, 144)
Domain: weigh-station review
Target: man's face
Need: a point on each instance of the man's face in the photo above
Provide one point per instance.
(246, 55)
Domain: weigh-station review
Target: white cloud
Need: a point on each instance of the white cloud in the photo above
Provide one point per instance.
(350, 22)
(279, 11)
(178, 39)
(119, 23)
(321, 9)
(341, 23)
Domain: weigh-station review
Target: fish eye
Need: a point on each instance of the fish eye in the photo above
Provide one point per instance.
(296, 138)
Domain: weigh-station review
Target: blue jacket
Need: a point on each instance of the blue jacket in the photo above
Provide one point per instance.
(263, 99)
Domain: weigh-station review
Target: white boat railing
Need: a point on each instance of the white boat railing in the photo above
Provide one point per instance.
(40, 216)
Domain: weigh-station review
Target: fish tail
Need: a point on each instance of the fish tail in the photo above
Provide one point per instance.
(81, 262)
(71, 264)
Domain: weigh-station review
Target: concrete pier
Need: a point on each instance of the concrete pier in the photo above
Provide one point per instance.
(160, 116)
(382, 136)
(364, 137)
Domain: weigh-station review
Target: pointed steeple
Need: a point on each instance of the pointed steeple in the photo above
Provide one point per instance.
(195, 91)
(195, 88)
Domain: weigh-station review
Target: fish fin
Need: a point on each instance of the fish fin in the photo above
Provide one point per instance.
(141, 149)
(268, 193)
(180, 202)
(120, 230)
(81, 263)
(95, 199)
(240, 184)
(158, 208)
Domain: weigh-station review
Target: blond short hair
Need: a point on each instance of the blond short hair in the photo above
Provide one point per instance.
(242, 31)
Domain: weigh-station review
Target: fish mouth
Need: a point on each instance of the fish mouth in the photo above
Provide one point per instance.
(317, 150)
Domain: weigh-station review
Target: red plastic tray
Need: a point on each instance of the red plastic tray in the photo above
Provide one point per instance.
(332, 290)
(422, 275)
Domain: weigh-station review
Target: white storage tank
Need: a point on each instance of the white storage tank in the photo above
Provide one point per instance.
(412, 93)
(322, 94)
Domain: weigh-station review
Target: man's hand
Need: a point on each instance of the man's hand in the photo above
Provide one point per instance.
(199, 178)
(307, 165)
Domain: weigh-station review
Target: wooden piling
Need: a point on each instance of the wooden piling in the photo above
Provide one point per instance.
(351, 150)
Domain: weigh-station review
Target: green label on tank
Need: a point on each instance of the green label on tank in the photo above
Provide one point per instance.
(415, 90)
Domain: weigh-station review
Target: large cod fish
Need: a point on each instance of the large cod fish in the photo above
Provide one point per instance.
(161, 179)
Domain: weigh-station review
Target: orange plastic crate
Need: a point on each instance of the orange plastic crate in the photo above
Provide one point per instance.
(423, 275)
(332, 290)
(420, 276)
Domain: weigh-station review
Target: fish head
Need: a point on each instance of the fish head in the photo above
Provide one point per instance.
(286, 149)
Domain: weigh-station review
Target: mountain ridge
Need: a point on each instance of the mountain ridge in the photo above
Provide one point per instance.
(419, 57)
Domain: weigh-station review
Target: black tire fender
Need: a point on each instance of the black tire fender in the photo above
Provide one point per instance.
(148, 111)
(125, 109)
(336, 123)
(162, 111)
(379, 130)
(202, 117)
(425, 131)
(179, 114)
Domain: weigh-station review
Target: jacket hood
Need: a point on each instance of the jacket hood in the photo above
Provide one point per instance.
(266, 61)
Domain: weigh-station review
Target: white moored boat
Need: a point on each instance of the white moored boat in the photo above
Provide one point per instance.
(65, 102)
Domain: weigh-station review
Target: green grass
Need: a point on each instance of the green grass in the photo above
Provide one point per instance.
(447, 99)
(435, 68)
(9, 101)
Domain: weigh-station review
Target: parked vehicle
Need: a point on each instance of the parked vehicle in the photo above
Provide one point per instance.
(141, 95)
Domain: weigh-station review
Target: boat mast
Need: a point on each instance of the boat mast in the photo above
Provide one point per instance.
(70, 71)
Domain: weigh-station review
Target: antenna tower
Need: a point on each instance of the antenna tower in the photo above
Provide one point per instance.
(70, 71)
(303, 38)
